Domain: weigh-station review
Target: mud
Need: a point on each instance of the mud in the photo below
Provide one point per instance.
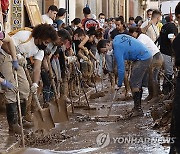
(81, 133)
(97, 95)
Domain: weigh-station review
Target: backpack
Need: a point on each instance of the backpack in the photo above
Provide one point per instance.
(4, 5)
(88, 23)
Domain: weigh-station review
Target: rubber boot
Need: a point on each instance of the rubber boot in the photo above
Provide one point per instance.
(137, 110)
(156, 93)
(12, 118)
(150, 90)
(64, 91)
(26, 124)
(167, 87)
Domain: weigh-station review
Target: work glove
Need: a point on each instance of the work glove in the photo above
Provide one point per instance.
(15, 64)
(34, 88)
(7, 84)
(21, 60)
(71, 59)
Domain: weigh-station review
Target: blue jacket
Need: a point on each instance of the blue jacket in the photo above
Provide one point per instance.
(128, 48)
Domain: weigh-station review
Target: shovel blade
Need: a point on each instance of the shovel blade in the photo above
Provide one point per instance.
(58, 111)
(42, 120)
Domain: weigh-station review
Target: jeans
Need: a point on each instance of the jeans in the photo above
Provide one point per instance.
(168, 64)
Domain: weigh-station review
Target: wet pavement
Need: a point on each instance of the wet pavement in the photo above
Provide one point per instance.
(83, 134)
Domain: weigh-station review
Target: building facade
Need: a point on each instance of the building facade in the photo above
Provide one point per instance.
(19, 17)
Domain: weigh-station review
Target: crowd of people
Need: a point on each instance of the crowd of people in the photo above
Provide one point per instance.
(86, 50)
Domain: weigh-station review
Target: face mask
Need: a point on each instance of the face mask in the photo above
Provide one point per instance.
(114, 25)
(41, 46)
(75, 27)
(102, 21)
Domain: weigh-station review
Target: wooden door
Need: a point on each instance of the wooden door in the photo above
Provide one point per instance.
(33, 12)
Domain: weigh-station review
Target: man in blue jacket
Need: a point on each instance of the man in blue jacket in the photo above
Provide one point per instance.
(127, 48)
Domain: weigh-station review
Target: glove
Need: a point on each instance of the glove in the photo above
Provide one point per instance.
(116, 87)
(34, 88)
(7, 84)
(15, 64)
(21, 60)
(71, 59)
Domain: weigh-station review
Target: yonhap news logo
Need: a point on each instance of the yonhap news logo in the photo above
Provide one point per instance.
(104, 139)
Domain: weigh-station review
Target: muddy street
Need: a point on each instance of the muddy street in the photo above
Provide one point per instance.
(86, 133)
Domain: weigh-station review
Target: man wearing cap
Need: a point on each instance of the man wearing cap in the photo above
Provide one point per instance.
(50, 16)
(60, 17)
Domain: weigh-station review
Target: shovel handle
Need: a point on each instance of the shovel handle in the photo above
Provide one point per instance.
(51, 75)
(35, 95)
(115, 93)
(28, 75)
(19, 109)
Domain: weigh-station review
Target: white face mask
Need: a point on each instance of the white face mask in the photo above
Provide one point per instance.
(102, 21)
(75, 27)
(114, 25)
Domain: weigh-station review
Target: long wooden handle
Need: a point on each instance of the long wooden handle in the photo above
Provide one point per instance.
(19, 109)
(30, 82)
(51, 75)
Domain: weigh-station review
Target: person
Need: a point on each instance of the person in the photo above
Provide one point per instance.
(153, 85)
(128, 48)
(85, 55)
(131, 22)
(109, 29)
(138, 21)
(60, 17)
(175, 122)
(167, 35)
(28, 44)
(149, 27)
(88, 21)
(76, 23)
(149, 16)
(50, 16)
(101, 19)
(62, 46)
(120, 29)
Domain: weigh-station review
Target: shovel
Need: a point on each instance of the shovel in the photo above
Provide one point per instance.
(58, 107)
(19, 110)
(98, 94)
(42, 118)
(108, 117)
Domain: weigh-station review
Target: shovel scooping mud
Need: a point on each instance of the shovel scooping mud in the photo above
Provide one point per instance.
(42, 118)
(58, 107)
(108, 118)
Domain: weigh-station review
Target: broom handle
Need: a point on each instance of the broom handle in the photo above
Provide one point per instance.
(19, 109)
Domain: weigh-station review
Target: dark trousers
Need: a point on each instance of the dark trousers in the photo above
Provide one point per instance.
(175, 123)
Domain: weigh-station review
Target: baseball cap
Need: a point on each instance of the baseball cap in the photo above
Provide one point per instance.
(61, 12)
